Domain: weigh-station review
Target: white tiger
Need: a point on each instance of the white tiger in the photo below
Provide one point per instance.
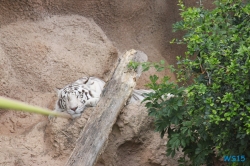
(86, 92)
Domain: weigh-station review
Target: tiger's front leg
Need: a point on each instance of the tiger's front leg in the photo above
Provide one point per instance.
(57, 109)
(52, 117)
(92, 102)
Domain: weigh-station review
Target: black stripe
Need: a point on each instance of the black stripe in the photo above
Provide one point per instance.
(86, 94)
(91, 94)
(86, 81)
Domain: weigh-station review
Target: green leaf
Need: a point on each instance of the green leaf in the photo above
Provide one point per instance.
(153, 78)
(162, 62)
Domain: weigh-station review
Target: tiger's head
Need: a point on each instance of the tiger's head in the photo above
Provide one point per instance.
(72, 102)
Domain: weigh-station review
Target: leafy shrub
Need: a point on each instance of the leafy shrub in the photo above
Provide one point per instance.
(210, 117)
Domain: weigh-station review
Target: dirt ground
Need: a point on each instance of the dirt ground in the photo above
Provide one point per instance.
(46, 44)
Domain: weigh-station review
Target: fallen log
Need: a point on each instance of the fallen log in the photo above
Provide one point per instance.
(94, 136)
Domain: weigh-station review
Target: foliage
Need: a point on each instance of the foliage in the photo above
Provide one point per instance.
(6, 103)
(146, 65)
(211, 117)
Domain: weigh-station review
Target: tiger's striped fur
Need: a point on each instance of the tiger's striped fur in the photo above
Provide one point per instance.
(86, 92)
(74, 97)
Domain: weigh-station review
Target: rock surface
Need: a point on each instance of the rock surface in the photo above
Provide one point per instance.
(131, 142)
(37, 57)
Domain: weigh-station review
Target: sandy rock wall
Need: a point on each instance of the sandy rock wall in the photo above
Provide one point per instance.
(142, 24)
(37, 57)
(54, 48)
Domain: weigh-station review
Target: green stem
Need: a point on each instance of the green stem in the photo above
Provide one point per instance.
(6, 103)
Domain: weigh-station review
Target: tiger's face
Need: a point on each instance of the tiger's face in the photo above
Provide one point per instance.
(75, 104)
(72, 101)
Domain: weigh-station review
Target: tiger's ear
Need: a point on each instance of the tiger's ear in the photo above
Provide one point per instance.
(58, 90)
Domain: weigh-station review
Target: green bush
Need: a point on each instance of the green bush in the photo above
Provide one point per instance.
(210, 117)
